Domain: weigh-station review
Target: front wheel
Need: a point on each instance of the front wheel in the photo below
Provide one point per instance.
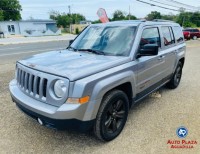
(112, 115)
(175, 80)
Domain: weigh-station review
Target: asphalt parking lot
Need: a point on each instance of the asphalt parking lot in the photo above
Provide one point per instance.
(150, 125)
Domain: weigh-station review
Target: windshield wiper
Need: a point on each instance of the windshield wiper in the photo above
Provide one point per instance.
(71, 48)
(93, 51)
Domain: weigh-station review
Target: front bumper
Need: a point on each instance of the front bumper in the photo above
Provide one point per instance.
(63, 117)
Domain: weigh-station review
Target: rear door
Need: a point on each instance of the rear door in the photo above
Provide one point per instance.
(169, 50)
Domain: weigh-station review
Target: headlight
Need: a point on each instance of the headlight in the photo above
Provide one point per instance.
(60, 88)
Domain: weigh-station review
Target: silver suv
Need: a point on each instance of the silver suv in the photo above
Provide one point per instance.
(104, 71)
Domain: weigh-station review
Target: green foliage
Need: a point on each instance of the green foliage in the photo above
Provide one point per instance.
(65, 20)
(171, 17)
(10, 10)
(189, 19)
(1, 15)
(185, 19)
(131, 17)
(154, 15)
(118, 15)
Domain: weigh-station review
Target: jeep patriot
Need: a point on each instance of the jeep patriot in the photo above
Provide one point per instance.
(104, 71)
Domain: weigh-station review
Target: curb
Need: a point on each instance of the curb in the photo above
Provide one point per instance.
(35, 41)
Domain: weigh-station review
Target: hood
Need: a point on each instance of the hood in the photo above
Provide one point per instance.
(72, 65)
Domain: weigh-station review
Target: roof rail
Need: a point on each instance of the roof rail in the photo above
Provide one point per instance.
(141, 20)
(161, 20)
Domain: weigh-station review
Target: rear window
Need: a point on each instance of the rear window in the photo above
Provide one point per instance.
(178, 34)
(167, 35)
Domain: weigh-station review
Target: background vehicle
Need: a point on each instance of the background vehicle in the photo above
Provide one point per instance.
(96, 80)
(194, 33)
(186, 35)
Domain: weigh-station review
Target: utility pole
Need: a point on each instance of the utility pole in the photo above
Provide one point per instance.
(129, 12)
(70, 25)
(69, 9)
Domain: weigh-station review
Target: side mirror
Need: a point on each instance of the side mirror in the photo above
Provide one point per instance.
(71, 41)
(148, 50)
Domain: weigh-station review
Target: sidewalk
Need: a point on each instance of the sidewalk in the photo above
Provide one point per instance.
(19, 40)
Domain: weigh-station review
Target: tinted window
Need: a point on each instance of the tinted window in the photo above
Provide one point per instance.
(188, 30)
(195, 30)
(178, 34)
(167, 36)
(150, 36)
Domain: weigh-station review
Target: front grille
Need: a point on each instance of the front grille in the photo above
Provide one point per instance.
(34, 85)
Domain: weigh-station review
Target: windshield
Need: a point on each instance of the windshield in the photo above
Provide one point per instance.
(110, 40)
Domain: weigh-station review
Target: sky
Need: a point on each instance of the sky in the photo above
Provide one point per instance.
(39, 9)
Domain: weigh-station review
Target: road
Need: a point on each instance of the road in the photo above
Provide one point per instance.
(150, 125)
(12, 53)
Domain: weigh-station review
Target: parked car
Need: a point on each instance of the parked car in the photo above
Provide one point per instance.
(186, 35)
(194, 33)
(95, 81)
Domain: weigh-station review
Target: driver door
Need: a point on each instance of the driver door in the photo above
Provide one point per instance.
(149, 68)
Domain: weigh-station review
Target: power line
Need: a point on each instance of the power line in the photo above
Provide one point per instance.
(182, 4)
(170, 5)
(156, 5)
(167, 8)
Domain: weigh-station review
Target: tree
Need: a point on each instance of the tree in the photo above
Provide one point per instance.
(118, 15)
(10, 10)
(154, 15)
(1, 15)
(65, 20)
(184, 19)
(171, 17)
(195, 18)
(131, 17)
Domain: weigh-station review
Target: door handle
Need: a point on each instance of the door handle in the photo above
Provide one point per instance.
(160, 58)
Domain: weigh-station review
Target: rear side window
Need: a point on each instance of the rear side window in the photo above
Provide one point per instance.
(195, 30)
(167, 36)
(178, 34)
(150, 36)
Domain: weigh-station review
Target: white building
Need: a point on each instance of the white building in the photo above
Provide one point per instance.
(29, 27)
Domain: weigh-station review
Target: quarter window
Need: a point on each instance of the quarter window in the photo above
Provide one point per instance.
(178, 34)
(167, 36)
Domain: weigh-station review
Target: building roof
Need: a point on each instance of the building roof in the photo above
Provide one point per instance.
(34, 20)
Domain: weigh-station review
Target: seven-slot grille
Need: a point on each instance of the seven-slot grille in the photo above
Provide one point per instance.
(31, 84)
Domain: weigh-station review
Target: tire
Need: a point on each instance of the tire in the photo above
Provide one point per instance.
(175, 80)
(194, 37)
(112, 115)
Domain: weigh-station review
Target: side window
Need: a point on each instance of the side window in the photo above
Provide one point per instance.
(178, 34)
(150, 36)
(9, 28)
(167, 36)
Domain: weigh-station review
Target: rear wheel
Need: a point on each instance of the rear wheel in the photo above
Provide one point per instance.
(174, 82)
(194, 37)
(112, 115)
